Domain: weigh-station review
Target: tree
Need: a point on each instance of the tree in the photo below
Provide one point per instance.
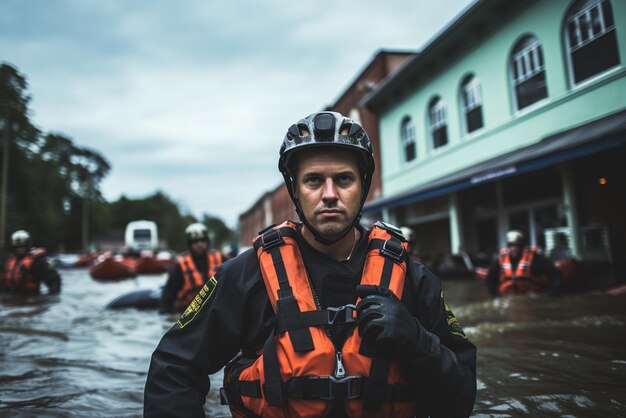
(89, 169)
(83, 169)
(220, 233)
(17, 130)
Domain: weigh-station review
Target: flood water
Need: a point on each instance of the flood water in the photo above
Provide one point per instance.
(65, 356)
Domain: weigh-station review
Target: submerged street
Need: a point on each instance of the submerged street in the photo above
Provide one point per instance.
(65, 356)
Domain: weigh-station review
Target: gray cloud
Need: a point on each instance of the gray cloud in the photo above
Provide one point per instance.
(193, 97)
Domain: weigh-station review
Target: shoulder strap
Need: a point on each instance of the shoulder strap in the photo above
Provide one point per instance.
(276, 249)
(385, 268)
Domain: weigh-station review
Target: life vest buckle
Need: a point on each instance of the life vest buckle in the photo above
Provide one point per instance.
(271, 239)
(334, 314)
(393, 250)
(349, 387)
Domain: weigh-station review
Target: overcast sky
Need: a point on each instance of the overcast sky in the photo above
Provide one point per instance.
(194, 97)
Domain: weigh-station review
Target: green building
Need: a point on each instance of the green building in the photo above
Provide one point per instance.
(512, 117)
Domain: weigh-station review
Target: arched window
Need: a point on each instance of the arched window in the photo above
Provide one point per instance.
(590, 39)
(407, 135)
(472, 104)
(438, 122)
(528, 72)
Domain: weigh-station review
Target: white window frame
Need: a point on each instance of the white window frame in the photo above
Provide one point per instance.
(586, 15)
(527, 62)
(437, 118)
(407, 137)
(471, 98)
(577, 18)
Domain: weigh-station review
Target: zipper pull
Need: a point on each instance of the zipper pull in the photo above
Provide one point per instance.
(340, 371)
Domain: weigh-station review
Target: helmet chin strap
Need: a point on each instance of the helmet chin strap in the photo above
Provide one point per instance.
(319, 237)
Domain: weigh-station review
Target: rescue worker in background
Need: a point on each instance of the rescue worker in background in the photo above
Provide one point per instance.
(522, 269)
(191, 270)
(328, 318)
(24, 271)
(409, 235)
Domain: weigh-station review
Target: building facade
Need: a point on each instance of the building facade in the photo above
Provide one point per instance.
(513, 117)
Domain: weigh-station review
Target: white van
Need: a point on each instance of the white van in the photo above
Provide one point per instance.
(140, 236)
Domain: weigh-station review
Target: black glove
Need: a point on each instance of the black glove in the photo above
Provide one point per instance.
(385, 323)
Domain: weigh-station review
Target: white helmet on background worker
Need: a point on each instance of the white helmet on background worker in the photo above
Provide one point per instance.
(197, 231)
(408, 233)
(20, 238)
(515, 237)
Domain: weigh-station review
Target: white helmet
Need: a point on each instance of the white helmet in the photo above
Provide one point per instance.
(408, 233)
(515, 237)
(197, 231)
(19, 238)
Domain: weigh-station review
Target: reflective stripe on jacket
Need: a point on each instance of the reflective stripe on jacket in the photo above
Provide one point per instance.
(18, 274)
(192, 279)
(300, 372)
(521, 280)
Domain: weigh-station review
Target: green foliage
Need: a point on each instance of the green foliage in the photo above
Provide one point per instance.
(53, 187)
(14, 99)
(220, 234)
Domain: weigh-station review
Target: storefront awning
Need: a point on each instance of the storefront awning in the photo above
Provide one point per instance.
(600, 135)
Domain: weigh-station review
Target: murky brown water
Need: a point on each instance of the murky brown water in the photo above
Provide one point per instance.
(65, 356)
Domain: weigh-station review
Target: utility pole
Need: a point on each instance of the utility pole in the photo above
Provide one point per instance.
(5, 182)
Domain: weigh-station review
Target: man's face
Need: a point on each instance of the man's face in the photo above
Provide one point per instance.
(199, 246)
(20, 250)
(328, 185)
(515, 250)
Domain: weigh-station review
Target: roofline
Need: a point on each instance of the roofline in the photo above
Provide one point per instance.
(375, 99)
(366, 67)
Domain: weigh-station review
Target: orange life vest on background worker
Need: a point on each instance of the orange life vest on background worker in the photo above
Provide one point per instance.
(18, 273)
(520, 280)
(192, 278)
(300, 372)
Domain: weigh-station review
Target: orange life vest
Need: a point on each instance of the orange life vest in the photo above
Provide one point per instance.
(521, 280)
(18, 275)
(192, 279)
(300, 372)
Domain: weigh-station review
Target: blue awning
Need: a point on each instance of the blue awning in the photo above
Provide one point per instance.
(597, 136)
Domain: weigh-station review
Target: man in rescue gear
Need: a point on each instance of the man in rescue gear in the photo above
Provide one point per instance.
(27, 268)
(323, 318)
(522, 269)
(191, 270)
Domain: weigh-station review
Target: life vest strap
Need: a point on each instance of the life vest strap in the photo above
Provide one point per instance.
(232, 390)
(375, 388)
(288, 312)
(346, 388)
(272, 237)
(318, 387)
(325, 387)
(394, 253)
(389, 248)
(286, 305)
(341, 315)
(272, 388)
